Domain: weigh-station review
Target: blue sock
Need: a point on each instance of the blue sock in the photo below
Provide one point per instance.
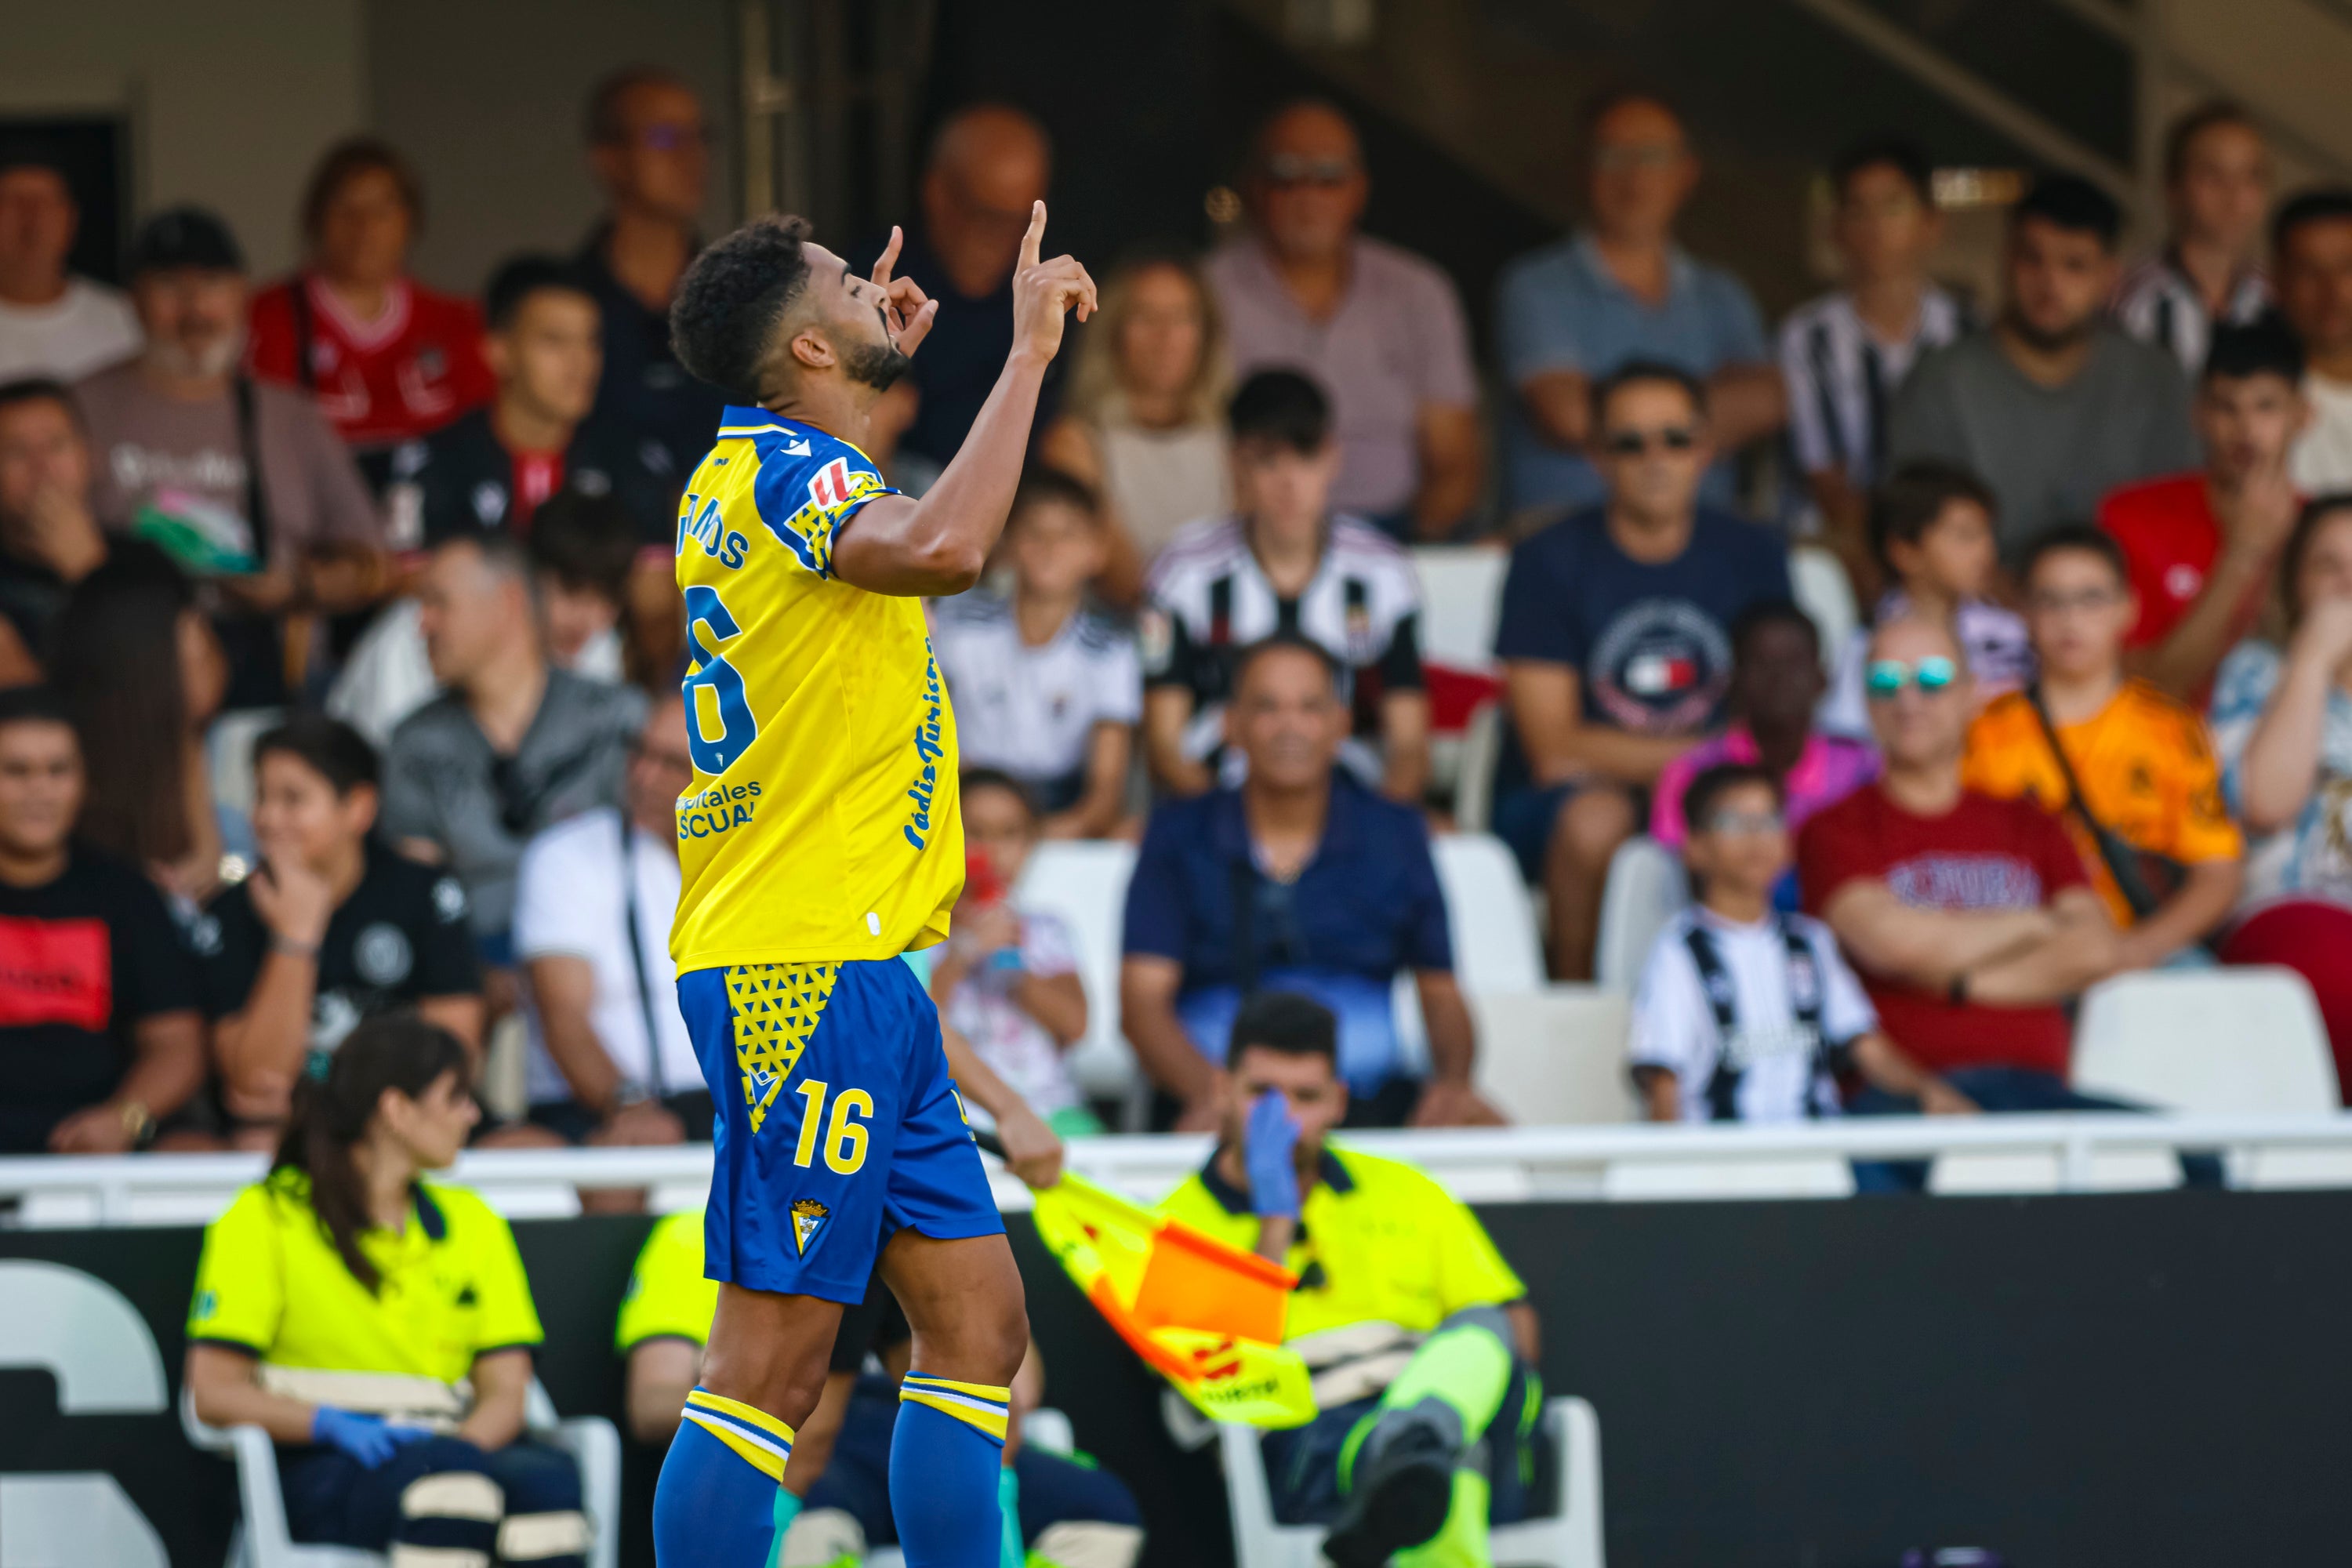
(719, 1503)
(1008, 1504)
(945, 1457)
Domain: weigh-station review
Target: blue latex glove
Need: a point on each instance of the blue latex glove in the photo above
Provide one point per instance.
(1269, 1145)
(370, 1439)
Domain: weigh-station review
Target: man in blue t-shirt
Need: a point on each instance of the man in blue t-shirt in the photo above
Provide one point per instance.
(1300, 880)
(1614, 643)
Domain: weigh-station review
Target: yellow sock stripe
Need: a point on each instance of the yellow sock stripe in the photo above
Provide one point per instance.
(986, 1419)
(988, 1391)
(768, 1462)
(751, 1414)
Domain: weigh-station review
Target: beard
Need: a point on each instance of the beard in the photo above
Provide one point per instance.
(2050, 343)
(216, 358)
(878, 366)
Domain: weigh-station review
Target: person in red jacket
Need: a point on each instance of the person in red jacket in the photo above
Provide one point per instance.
(388, 359)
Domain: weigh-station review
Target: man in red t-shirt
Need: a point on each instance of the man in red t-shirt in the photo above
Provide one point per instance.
(1970, 918)
(2203, 547)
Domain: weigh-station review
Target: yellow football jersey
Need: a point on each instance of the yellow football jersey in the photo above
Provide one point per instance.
(823, 823)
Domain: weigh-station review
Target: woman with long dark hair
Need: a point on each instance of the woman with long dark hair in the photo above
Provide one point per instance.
(140, 667)
(380, 1327)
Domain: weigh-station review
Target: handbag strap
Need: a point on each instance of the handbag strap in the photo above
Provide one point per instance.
(2121, 860)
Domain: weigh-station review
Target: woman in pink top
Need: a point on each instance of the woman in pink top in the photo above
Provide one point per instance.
(1776, 680)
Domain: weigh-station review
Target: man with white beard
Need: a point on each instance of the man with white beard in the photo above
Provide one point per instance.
(244, 483)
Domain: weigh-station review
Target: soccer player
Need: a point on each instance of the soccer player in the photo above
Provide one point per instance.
(819, 841)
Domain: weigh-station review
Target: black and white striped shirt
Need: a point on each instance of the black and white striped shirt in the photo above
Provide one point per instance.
(2159, 304)
(1208, 599)
(1842, 376)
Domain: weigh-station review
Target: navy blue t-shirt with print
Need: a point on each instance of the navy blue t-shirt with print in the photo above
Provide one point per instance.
(1650, 641)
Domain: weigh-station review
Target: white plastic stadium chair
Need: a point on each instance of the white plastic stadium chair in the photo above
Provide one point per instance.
(1474, 768)
(1461, 600)
(1818, 581)
(1084, 881)
(1646, 888)
(1488, 914)
(1554, 1058)
(2208, 1042)
(1571, 1539)
(260, 1539)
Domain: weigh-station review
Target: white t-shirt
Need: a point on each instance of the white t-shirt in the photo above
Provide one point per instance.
(90, 327)
(1015, 1047)
(2321, 462)
(1032, 711)
(570, 899)
(1780, 1063)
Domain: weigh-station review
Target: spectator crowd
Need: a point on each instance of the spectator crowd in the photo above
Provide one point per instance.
(339, 648)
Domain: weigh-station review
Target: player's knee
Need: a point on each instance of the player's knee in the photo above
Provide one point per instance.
(983, 1343)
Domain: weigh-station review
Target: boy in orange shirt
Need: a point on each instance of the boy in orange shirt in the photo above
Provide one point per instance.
(2138, 783)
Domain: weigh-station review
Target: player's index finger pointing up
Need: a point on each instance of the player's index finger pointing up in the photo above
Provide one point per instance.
(888, 259)
(1034, 241)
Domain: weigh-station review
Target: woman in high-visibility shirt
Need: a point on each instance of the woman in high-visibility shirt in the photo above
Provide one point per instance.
(381, 1328)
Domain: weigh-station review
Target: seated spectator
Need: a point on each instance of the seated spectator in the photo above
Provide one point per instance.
(1844, 354)
(244, 485)
(1283, 563)
(2053, 406)
(611, 1059)
(1614, 646)
(2129, 769)
(1044, 689)
(2203, 547)
(52, 321)
(510, 747)
(2311, 249)
(1378, 326)
(1776, 685)
(1144, 420)
(388, 359)
(101, 1039)
(584, 553)
(330, 930)
(492, 469)
(1932, 531)
(2283, 723)
(49, 537)
(2216, 188)
(1422, 1339)
(141, 672)
(1744, 1015)
(1300, 878)
(1621, 293)
(649, 152)
(1008, 979)
(987, 165)
(380, 1327)
(1970, 919)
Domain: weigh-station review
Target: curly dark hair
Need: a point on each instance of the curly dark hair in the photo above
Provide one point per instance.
(730, 300)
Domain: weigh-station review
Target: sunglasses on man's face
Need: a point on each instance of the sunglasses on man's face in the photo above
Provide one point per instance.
(1633, 443)
(1286, 171)
(1886, 678)
(1740, 823)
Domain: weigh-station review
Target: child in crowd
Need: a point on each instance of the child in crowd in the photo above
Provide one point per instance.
(1932, 527)
(1776, 684)
(1008, 980)
(1744, 1015)
(1046, 690)
(2129, 769)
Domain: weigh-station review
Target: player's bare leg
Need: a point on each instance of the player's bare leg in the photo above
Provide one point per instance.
(963, 1300)
(770, 1352)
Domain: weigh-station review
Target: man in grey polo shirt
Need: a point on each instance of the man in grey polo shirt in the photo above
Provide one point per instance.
(511, 745)
(1379, 328)
(1574, 312)
(2055, 405)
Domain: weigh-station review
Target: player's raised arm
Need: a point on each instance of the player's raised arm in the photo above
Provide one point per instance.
(937, 544)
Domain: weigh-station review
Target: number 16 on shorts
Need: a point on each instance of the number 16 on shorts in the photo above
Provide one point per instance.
(843, 1138)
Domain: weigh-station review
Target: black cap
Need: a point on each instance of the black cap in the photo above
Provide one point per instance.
(185, 237)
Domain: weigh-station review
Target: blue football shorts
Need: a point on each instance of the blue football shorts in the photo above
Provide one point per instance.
(837, 1124)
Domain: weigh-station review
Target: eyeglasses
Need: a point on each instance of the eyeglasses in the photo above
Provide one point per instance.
(1633, 443)
(1744, 822)
(1285, 170)
(1886, 678)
